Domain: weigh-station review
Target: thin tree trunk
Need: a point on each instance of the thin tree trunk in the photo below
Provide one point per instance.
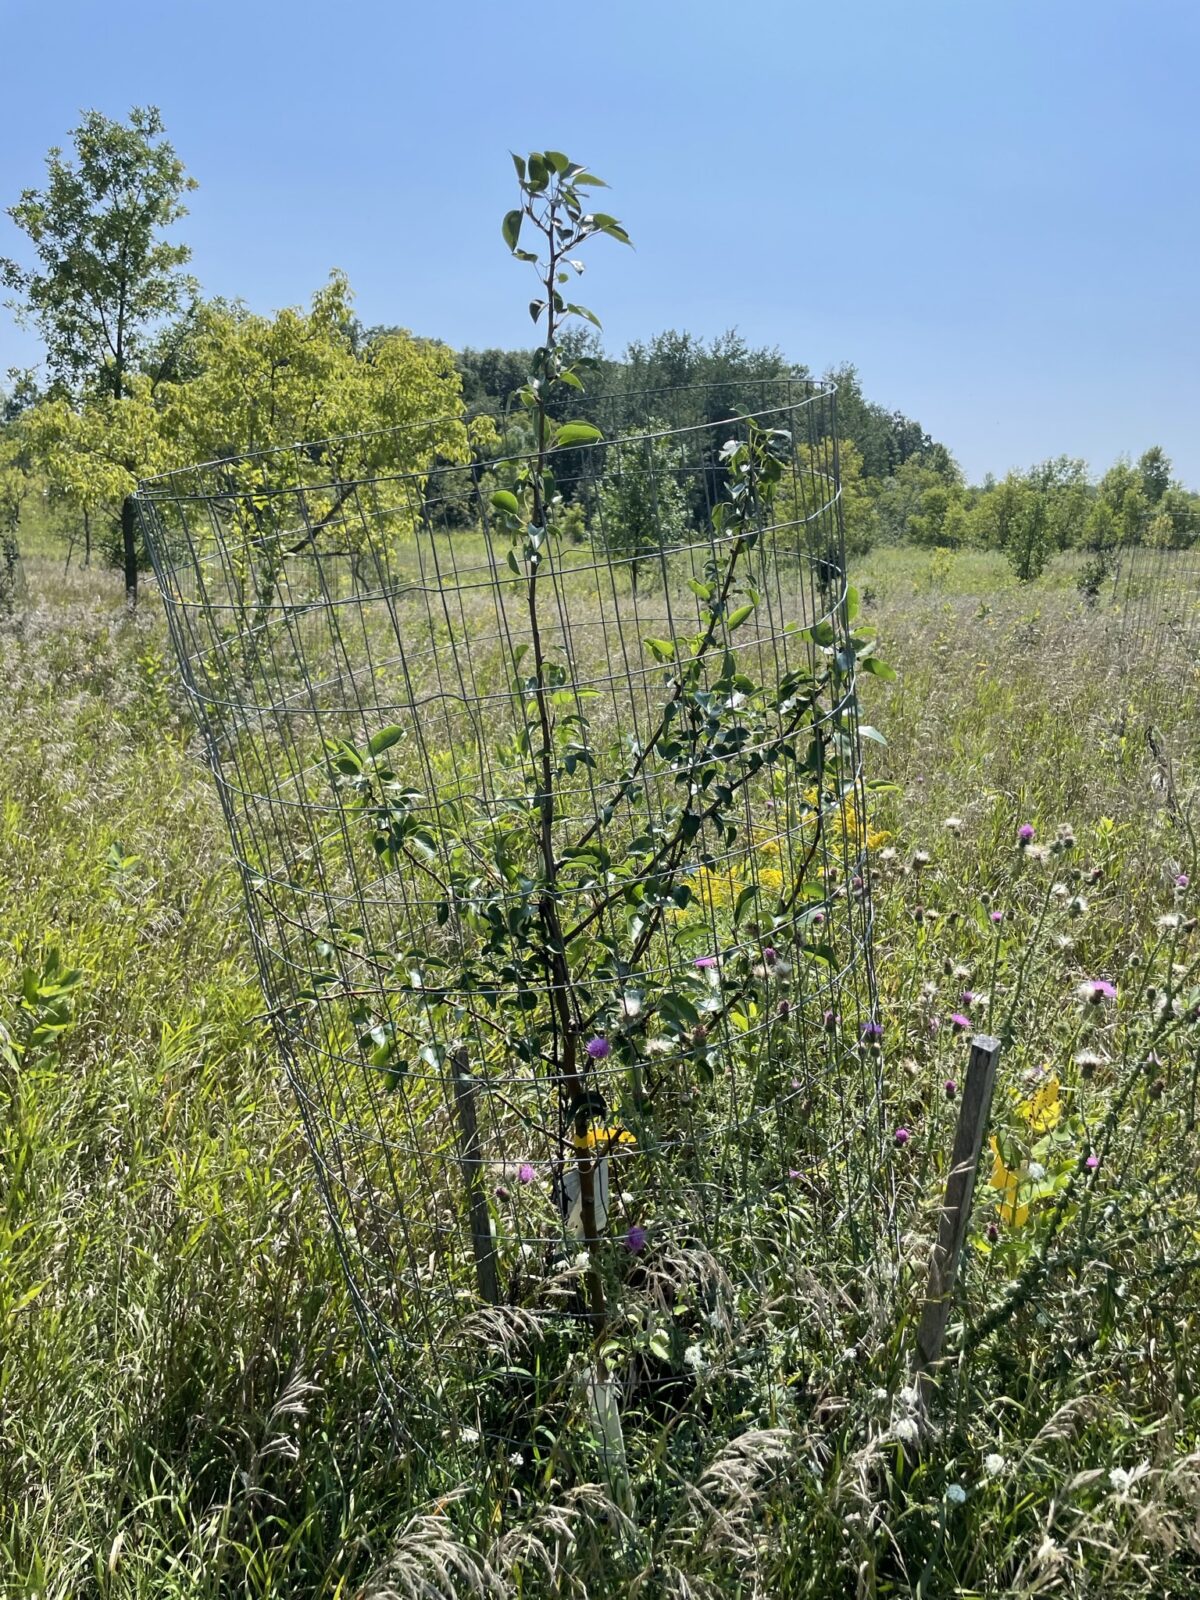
(129, 542)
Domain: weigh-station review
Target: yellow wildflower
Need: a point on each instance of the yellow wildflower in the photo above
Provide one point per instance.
(1013, 1211)
(606, 1138)
(1043, 1110)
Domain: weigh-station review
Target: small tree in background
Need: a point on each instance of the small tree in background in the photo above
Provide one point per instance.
(106, 280)
(642, 506)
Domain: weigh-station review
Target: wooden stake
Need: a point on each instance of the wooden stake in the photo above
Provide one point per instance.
(472, 1165)
(973, 1112)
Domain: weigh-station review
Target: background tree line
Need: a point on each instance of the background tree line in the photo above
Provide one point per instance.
(142, 374)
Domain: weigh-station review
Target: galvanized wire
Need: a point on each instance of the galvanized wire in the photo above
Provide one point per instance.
(1158, 591)
(312, 608)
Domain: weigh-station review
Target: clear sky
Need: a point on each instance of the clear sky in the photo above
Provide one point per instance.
(989, 206)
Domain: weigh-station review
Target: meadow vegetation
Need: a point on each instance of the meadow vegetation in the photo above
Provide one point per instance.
(186, 1404)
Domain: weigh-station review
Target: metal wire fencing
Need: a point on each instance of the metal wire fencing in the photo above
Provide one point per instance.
(1157, 588)
(556, 870)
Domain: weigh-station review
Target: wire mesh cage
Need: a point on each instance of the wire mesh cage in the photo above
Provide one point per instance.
(556, 865)
(1157, 588)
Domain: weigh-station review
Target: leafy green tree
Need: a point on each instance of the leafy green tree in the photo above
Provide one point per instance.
(997, 512)
(105, 278)
(264, 382)
(1176, 521)
(1122, 488)
(912, 504)
(642, 509)
(1154, 469)
(93, 453)
(296, 376)
(16, 481)
(1062, 483)
(1029, 543)
(886, 438)
(1100, 539)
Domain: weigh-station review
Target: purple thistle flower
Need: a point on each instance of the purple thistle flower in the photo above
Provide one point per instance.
(1097, 990)
(872, 1030)
(960, 1023)
(1182, 881)
(1025, 833)
(967, 998)
(902, 1136)
(993, 1232)
(1092, 1162)
(598, 1048)
(830, 1021)
(770, 955)
(794, 1173)
(525, 1173)
(705, 962)
(951, 1088)
(997, 917)
(635, 1239)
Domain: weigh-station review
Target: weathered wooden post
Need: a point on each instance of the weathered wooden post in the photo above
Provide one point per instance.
(479, 1216)
(973, 1112)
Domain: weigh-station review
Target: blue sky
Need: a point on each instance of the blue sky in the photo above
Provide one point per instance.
(989, 206)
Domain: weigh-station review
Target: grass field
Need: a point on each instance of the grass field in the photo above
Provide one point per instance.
(184, 1407)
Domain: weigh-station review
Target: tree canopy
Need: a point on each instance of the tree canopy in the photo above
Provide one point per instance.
(142, 375)
(105, 276)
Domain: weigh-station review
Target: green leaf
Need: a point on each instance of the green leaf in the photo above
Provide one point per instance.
(511, 229)
(744, 900)
(384, 739)
(345, 757)
(739, 616)
(505, 500)
(539, 175)
(536, 307)
(852, 603)
(877, 668)
(606, 224)
(557, 160)
(678, 1012)
(866, 731)
(577, 433)
(820, 633)
(811, 891)
(519, 163)
(588, 316)
(661, 649)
